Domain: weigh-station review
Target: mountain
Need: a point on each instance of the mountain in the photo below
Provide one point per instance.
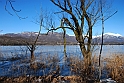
(55, 38)
(109, 38)
(21, 38)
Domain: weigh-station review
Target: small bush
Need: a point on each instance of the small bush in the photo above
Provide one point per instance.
(115, 65)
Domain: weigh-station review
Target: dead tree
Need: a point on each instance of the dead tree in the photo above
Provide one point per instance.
(44, 22)
(82, 16)
(32, 46)
(103, 20)
(32, 43)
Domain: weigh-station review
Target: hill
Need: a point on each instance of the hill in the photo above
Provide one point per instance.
(109, 39)
(56, 38)
(21, 38)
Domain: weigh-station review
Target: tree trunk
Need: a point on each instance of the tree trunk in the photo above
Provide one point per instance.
(32, 55)
(87, 61)
(87, 54)
(64, 38)
(65, 55)
(33, 64)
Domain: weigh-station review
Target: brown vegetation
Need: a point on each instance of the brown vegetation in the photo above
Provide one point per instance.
(115, 65)
(42, 79)
(51, 69)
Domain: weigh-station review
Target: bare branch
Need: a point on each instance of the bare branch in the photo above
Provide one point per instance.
(78, 12)
(89, 3)
(15, 11)
(59, 5)
(6, 8)
(13, 7)
(111, 15)
(68, 1)
(65, 4)
(38, 32)
(59, 12)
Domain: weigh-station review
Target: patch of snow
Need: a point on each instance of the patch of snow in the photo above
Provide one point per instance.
(113, 34)
(108, 34)
(94, 36)
(39, 80)
(71, 34)
(109, 80)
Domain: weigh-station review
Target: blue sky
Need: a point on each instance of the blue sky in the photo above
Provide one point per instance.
(31, 9)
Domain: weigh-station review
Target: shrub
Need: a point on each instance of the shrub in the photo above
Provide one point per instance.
(115, 65)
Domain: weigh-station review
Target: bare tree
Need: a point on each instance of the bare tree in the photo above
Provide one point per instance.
(103, 20)
(31, 43)
(44, 22)
(82, 16)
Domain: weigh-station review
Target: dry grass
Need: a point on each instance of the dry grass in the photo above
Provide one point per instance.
(49, 65)
(78, 68)
(115, 65)
(42, 79)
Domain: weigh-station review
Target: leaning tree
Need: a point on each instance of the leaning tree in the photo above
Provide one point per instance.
(81, 16)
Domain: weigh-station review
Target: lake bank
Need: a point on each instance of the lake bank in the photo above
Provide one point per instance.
(48, 59)
(52, 70)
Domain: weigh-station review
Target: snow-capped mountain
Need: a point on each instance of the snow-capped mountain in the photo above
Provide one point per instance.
(51, 38)
(113, 34)
(28, 34)
(107, 35)
(22, 34)
(109, 38)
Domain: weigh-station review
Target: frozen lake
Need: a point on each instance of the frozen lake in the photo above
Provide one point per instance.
(58, 49)
(20, 66)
